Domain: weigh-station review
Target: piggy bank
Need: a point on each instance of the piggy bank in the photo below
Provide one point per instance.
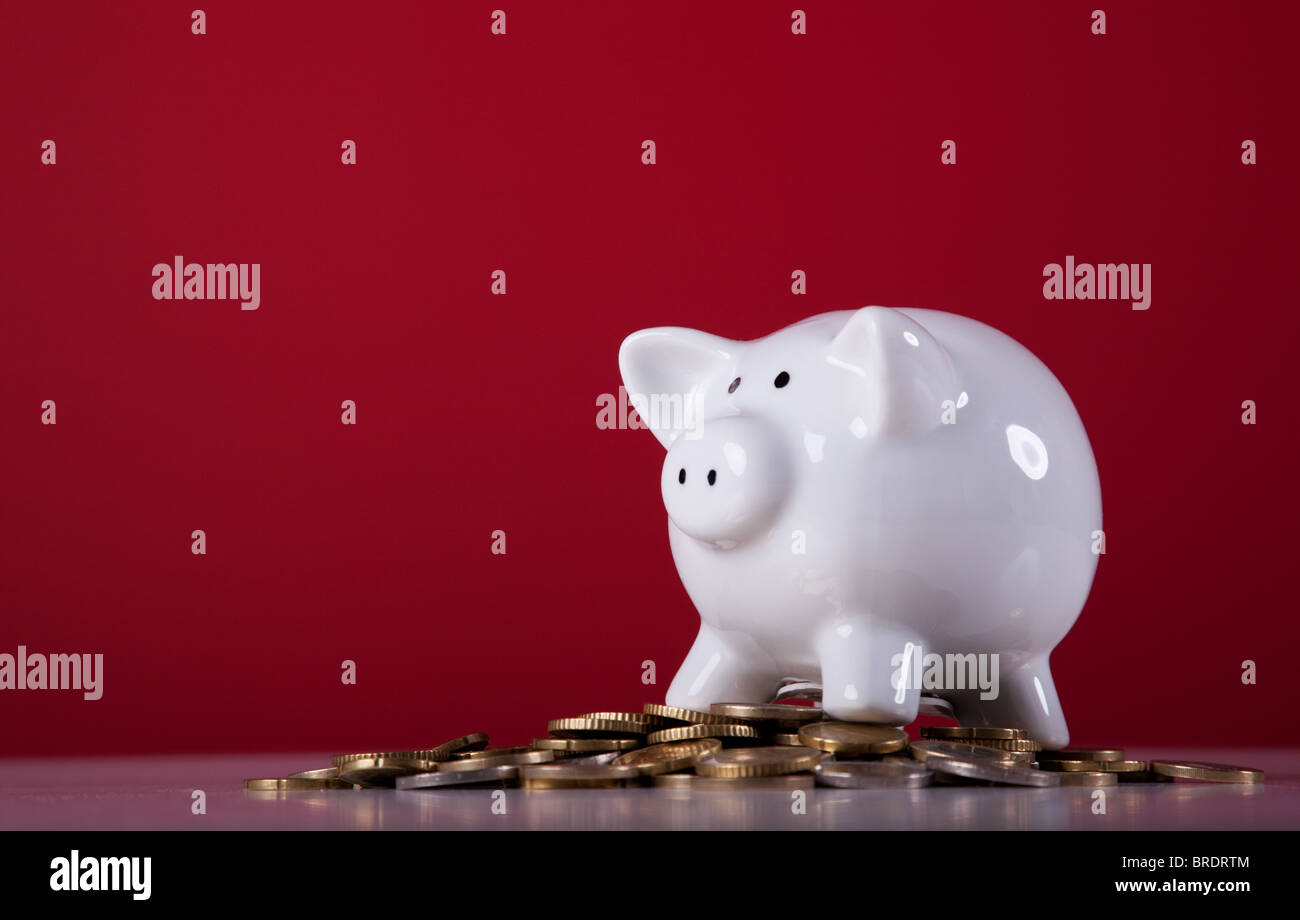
(892, 502)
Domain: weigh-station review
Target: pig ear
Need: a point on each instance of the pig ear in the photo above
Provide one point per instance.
(670, 361)
(906, 374)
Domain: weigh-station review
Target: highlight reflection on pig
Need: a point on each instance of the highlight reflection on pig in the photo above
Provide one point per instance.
(864, 488)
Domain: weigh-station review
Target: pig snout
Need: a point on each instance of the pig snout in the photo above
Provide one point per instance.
(724, 483)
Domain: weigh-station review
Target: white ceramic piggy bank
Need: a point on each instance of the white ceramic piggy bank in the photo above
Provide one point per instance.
(893, 501)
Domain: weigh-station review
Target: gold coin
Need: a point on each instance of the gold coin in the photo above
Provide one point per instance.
(491, 752)
(577, 776)
(382, 771)
(294, 784)
(972, 732)
(783, 713)
(585, 728)
(960, 750)
(758, 761)
(606, 757)
(728, 731)
(1088, 778)
(853, 738)
(474, 741)
(689, 716)
(1205, 772)
(498, 760)
(585, 745)
(1094, 766)
(1123, 766)
(1072, 766)
(339, 759)
(325, 773)
(1097, 755)
(668, 758)
(694, 782)
(1023, 745)
(441, 752)
(791, 738)
(643, 717)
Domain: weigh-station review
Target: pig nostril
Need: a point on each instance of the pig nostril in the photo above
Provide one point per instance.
(681, 475)
(713, 476)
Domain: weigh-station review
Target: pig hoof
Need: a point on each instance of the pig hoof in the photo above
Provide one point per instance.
(722, 668)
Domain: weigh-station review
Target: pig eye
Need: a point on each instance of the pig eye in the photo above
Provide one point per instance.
(735, 383)
(781, 379)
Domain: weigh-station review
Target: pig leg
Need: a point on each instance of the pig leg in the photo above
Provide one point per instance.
(859, 657)
(723, 667)
(1026, 698)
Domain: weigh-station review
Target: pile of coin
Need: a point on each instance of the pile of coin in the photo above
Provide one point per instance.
(778, 745)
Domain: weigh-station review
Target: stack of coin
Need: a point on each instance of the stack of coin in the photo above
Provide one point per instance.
(924, 750)
(569, 748)
(1093, 766)
(728, 733)
(382, 769)
(853, 739)
(746, 768)
(768, 717)
(621, 725)
(494, 775)
(670, 757)
(376, 768)
(738, 746)
(585, 749)
(955, 761)
(1016, 740)
(746, 763)
(674, 715)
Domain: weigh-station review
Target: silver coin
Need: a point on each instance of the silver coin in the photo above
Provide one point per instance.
(323, 773)
(598, 759)
(925, 751)
(501, 774)
(866, 774)
(799, 690)
(935, 706)
(1007, 774)
(468, 765)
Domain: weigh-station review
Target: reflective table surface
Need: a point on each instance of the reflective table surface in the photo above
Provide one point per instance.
(157, 793)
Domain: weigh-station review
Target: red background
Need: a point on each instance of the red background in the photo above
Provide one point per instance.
(477, 412)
